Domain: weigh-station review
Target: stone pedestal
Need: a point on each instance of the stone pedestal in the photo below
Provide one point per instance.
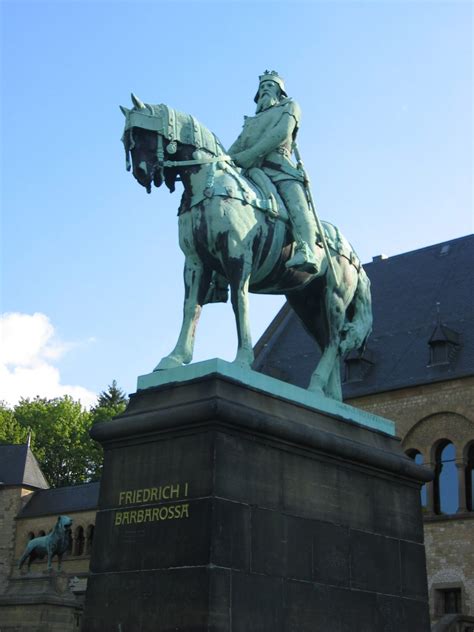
(226, 507)
(39, 602)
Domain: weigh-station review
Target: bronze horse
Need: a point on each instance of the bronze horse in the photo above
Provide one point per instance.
(233, 233)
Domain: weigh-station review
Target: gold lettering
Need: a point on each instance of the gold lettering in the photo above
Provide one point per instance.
(121, 497)
(166, 494)
(163, 513)
(133, 517)
(154, 493)
(140, 515)
(138, 497)
(171, 509)
(128, 498)
(118, 518)
(185, 510)
(186, 489)
(147, 515)
(126, 517)
(174, 491)
(146, 495)
(156, 512)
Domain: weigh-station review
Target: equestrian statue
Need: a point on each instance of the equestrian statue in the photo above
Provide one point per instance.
(247, 221)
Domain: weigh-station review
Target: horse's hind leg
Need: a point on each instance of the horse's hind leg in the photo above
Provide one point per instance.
(333, 387)
(323, 378)
(196, 282)
(239, 291)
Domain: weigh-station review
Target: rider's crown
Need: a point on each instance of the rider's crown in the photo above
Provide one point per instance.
(271, 75)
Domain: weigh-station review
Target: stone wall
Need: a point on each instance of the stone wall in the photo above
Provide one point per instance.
(409, 406)
(426, 417)
(11, 501)
(450, 560)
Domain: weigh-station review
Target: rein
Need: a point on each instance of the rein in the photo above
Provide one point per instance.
(198, 161)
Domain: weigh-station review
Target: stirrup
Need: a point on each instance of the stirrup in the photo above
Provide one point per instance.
(304, 260)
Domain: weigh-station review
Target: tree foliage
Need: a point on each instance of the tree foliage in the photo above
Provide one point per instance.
(10, 430)
(60, 436)
(111, 402)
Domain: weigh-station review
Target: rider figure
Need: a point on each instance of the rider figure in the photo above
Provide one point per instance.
(266, 141)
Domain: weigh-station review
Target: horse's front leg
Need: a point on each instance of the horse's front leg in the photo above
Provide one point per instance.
(239, 289)
(196, 284)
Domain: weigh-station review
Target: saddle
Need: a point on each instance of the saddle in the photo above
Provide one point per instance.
(260, 193)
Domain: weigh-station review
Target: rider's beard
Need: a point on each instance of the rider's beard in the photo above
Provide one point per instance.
(265, 101)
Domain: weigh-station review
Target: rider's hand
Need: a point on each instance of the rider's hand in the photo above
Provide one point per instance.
(244, 159)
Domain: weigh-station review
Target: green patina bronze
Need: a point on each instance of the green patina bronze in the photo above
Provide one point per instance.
(55, 543)
(247, 220)
(261, 382)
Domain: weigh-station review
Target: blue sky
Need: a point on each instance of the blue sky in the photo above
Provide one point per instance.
(386, 94)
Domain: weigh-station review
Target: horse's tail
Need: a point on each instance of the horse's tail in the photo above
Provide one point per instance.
(357, 328)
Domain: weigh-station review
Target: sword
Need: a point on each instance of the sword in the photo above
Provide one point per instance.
(309, 197)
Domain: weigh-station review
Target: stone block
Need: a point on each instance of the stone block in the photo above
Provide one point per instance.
(283, 529)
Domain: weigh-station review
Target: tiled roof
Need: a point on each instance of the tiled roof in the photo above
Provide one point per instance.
(18, 466)
(415, 295)
(62, 500)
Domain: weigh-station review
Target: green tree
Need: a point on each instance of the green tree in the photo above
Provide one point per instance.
(61, 440)
(60, 436)
(110, 403)
(10, 430)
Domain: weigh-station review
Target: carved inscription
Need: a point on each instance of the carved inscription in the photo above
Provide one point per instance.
(157, 513)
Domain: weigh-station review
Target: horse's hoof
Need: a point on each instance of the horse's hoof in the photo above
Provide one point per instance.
(168, 363)
(242, 364)
(316, 387)
(244, 360)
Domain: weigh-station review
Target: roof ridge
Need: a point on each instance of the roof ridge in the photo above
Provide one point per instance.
(430, 247)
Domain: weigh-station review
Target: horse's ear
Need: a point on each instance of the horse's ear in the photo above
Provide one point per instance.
(125, 111)
(137, 102)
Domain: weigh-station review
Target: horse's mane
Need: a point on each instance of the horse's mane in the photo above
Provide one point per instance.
(184, 128)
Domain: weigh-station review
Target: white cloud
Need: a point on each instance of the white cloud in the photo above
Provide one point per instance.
(28, 347)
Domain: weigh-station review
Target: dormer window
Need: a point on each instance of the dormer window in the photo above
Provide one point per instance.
(357, 365)
(444, 345)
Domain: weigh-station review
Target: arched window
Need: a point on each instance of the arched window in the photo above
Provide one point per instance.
(69, 544)
(446, 499)
(79, 541)
(470, 478)
(89, 538)
(418, 458)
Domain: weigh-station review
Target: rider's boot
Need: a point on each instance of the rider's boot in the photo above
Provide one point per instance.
(307, 255)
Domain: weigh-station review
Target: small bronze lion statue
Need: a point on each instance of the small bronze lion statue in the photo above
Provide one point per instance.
(55, 543)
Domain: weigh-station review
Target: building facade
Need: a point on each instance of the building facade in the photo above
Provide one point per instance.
(418, 370)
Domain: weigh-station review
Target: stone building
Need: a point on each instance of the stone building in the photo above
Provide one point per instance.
(418, 370)
(29, 508)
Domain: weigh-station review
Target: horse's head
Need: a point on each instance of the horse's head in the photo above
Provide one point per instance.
(141, 139)
(156, 136)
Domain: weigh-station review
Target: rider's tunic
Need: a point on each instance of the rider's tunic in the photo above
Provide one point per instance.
(277, 163)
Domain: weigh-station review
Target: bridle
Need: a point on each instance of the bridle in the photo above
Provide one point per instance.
(163, 121)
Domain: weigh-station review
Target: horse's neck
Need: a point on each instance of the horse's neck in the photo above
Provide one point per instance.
(195, 179)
